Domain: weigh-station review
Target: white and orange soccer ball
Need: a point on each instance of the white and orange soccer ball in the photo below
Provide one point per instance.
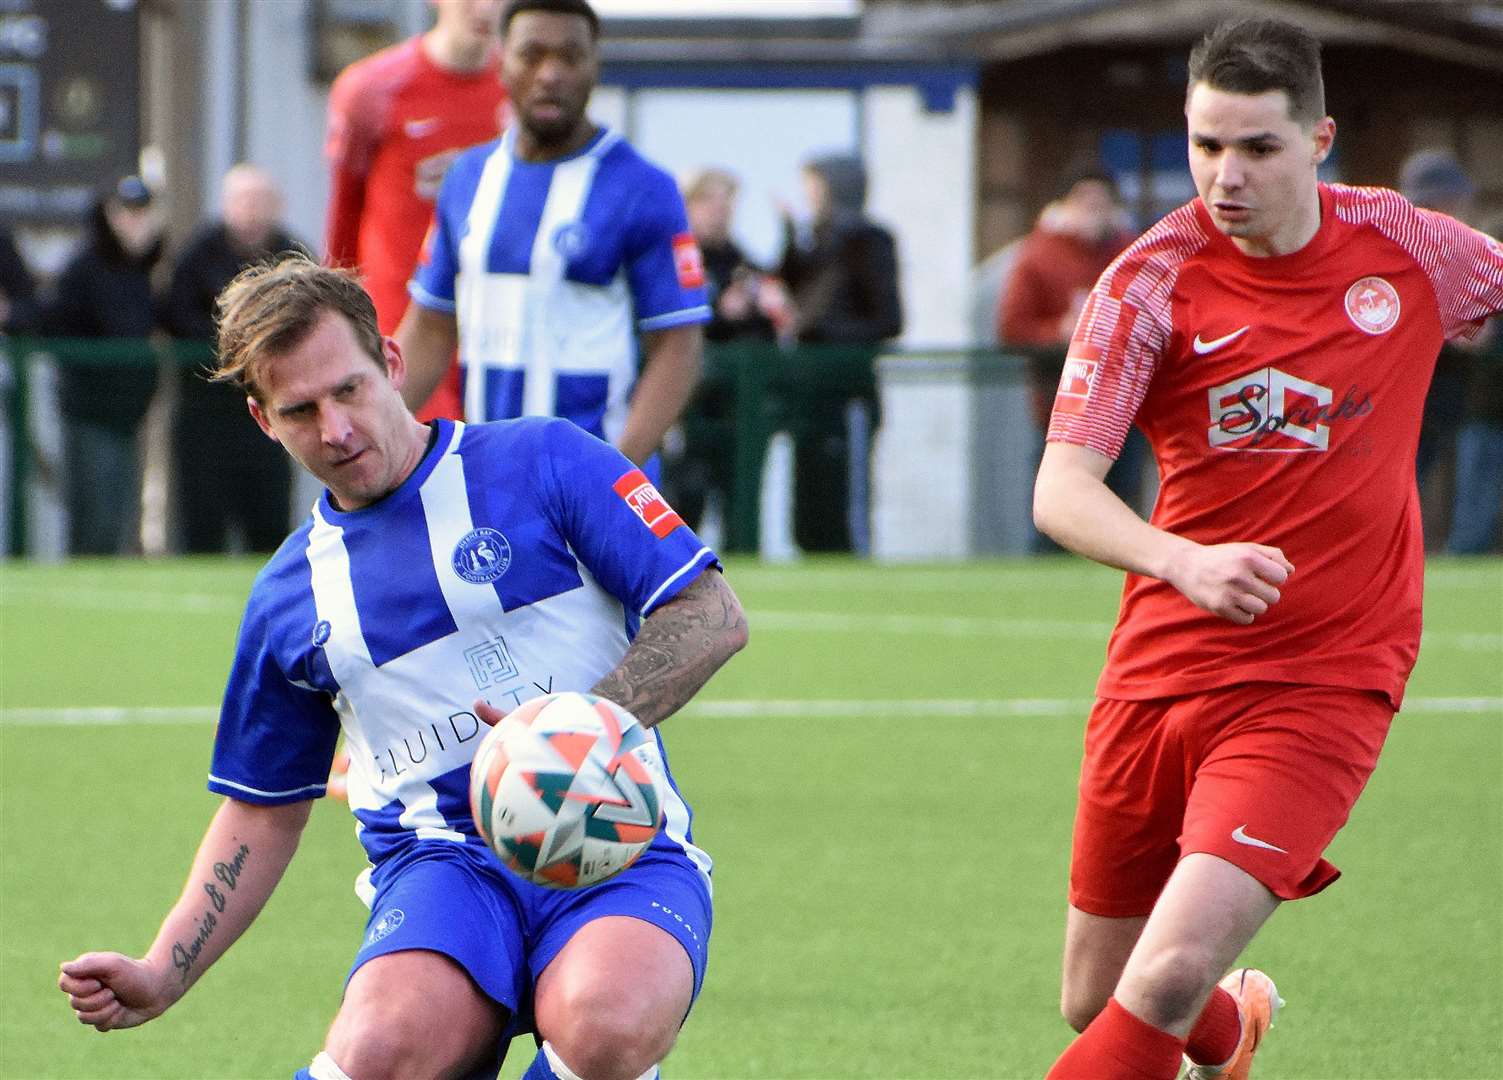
(568, 790)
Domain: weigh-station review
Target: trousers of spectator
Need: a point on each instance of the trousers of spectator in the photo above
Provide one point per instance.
(1479, 489)
(830, 511)
(229, 478)
(103, 486)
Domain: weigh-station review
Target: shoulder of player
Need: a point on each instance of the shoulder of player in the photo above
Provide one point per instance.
(376, 72)
(282, 581)
(623, 162)
(517, 439)
(1429, 237)
(463, 175)
(1155, 258)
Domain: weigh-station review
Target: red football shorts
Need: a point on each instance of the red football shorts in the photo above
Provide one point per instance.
(1261, 774)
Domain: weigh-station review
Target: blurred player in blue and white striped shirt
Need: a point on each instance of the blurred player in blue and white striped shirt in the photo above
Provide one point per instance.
(445, 563)
(551, 249)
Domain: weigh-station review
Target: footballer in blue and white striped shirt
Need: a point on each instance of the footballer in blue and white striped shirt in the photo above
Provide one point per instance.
(551, 249)
(448, 573)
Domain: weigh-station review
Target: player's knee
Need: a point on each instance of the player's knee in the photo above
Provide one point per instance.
(604, 1038)
(382, 1045)
(1172, 982)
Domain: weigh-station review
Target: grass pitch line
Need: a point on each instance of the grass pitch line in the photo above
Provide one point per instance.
(730, 709)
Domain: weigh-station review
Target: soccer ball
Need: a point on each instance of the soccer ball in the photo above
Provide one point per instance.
(568, 790)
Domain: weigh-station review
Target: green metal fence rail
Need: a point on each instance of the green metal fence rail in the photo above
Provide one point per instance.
(769, 389)
(18, 353)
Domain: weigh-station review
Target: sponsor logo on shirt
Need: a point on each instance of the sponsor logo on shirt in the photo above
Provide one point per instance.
(321, 632)
(481, 556)
(428, 176)
(1373, 305)
(416, 129)
(1203, 347)
(491, 663)
(647, 504)
(1271, 410)
(1075, 384)
(688, 261)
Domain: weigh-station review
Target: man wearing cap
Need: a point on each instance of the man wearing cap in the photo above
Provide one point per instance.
(105, 292)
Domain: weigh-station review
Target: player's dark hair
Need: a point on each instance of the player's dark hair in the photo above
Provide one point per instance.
(270, 308)
(1253, 56)
(581, 8)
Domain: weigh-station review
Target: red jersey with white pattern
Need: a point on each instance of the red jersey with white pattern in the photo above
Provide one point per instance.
(1282, 397)
(396, 121)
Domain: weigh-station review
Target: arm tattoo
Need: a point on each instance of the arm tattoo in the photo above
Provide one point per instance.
(677, 649)
(227, 876)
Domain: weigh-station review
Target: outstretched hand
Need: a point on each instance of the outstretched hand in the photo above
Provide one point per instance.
(1238, 582)
(107, 990)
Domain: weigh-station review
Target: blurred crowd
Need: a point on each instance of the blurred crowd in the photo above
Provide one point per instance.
(835, 287)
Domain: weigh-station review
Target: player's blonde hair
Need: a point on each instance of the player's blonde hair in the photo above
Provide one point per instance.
(269, 308)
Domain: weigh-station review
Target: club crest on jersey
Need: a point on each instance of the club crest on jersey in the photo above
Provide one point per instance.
(647, 504)
(571, 239)
(390, 921)
(321, 631)
(1373, 305)
(481, 556)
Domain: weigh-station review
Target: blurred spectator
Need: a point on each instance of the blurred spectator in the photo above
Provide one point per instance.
(105, 292)
(843, 278)
(227, 475)
(17, 290)
(1076, 238)
(747, 302)
(1435, 180)
(1476, 515)
(748, 305)
(397, 119)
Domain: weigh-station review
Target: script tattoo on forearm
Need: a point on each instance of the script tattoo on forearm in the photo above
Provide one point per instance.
(676, 650)
(226, 878)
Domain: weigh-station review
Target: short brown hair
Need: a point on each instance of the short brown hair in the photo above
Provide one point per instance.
(1253, 56)
(271, 307)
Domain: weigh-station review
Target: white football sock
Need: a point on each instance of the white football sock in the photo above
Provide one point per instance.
(563, 1072)
(323, 1068)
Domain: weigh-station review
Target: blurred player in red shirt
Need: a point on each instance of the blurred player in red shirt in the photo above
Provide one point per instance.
(1273, 339)
(396, 121)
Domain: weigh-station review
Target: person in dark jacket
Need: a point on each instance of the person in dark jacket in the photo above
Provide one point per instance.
(18, 291)
(106, 292)
(227, 476)
(843, 278)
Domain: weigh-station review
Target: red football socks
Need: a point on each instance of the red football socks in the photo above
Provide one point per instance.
(1119, 1046)
(1214, 1038)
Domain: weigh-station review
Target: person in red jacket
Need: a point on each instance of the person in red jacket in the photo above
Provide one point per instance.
(396, 120)
(1076, 238)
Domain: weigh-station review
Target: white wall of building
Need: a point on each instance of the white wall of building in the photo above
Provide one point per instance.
(923, 180)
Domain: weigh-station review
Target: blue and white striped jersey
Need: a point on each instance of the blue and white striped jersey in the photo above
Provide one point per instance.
(550, 269)
(517, 559)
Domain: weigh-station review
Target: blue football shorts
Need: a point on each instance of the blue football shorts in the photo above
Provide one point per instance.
(456, 899)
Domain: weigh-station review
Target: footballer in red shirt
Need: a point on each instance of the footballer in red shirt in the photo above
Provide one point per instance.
(1274, 340)
(396, 121)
